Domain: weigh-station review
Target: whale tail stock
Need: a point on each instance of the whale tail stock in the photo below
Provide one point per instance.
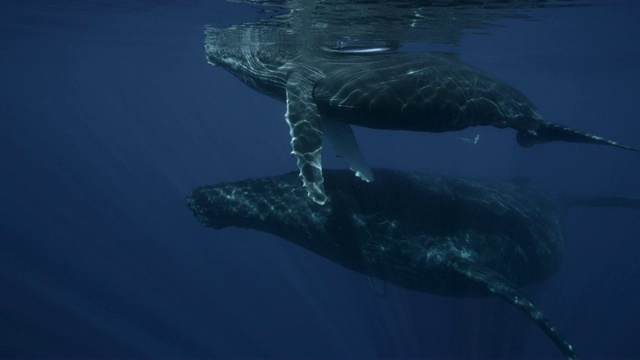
(548, 131)
(566, 202)
(602, 201)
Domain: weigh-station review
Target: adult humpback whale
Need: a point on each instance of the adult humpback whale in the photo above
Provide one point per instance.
(436, 234)
(327, 89)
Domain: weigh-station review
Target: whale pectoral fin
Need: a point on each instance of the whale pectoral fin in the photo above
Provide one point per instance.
(497, 285)
(345, 145)
(305, 129)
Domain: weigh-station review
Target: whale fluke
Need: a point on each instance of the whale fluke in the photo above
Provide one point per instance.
(548, 131)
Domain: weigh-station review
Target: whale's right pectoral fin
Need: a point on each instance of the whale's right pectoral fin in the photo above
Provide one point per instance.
(345, 145)
(305, 129)
(496, 284)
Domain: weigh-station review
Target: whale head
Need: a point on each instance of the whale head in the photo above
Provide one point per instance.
(256, 56)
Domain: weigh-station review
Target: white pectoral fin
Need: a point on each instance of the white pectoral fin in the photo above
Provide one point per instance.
(496, 284)
(305, 129)
(345, 145)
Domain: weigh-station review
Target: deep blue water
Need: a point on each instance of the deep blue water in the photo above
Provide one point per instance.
(110, 116)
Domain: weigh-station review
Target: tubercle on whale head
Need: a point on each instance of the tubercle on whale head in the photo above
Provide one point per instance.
(211, 61)
(223, 48)
(219, 48)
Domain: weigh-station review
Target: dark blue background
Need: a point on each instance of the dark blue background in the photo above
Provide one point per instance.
(110, 116)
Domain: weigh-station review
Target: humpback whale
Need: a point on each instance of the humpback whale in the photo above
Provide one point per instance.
(327, 89)
(441, 235)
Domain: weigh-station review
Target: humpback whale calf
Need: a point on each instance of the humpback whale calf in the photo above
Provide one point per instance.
(435, 234)
(327, 89)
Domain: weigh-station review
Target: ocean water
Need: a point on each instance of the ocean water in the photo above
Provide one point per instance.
(110, 116)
